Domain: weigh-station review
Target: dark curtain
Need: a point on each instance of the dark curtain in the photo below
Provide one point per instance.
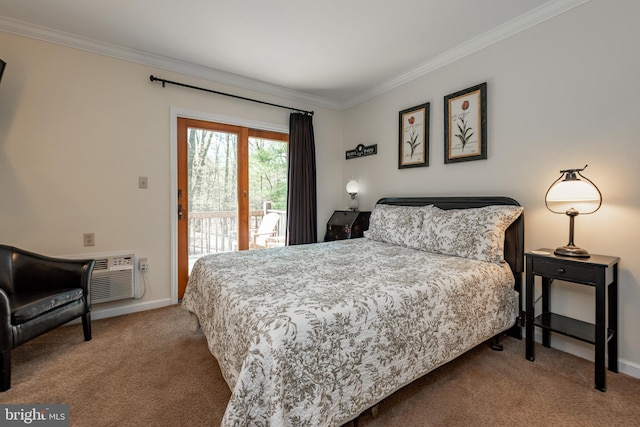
(301, 200)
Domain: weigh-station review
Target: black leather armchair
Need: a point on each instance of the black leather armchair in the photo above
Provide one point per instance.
(37, 294)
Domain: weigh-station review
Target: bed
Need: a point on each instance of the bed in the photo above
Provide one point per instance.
(313, 335)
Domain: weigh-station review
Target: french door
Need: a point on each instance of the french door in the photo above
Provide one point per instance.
(225, 175)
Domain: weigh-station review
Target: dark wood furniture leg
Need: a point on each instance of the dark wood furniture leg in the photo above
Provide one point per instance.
(529, 314)
(613, 321)
(601, 330)
(546, 334)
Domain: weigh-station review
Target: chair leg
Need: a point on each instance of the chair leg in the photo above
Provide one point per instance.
(86, 326)
(5, 370)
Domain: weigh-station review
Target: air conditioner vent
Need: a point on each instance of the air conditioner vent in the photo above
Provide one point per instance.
(111, 286)
(101, 264)
(113, 277)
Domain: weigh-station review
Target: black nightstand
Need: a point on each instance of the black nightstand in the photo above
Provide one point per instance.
(347, 225)
(599, 271)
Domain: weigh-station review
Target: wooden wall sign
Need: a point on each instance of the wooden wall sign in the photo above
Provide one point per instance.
(361, 151)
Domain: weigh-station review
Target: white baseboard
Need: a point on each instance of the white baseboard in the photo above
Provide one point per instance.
(586, 351)
(98, 312)
(629, 368)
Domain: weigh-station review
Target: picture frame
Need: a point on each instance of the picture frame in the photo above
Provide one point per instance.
(413, 138)
(465, 125)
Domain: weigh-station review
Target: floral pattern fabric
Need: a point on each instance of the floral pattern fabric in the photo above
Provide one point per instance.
(470, 233)
(312, 335)
(400, 225)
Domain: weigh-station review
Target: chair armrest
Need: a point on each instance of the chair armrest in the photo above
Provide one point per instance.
(266, 233)
(37, 272)
(6, 338)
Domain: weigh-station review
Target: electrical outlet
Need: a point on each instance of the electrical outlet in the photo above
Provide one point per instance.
(89, 239)
(143, 264)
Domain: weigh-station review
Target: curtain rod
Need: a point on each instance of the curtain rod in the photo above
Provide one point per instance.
(157, 79)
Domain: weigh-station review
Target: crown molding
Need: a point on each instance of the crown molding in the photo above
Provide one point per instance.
(156, 61)
(523, 22)
(536, 16)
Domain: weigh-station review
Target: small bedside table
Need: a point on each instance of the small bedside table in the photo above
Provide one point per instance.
(598, 270)
(347, 225)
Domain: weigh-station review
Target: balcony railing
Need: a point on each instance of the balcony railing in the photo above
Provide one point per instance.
(211, 232)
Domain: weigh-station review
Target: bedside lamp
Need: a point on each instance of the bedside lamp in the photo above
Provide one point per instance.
(571, 195)
(353, 188)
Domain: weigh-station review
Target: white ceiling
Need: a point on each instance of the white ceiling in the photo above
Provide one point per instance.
(329, 52)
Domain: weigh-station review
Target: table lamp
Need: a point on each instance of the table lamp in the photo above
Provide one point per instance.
(353, 188)
(573, 194)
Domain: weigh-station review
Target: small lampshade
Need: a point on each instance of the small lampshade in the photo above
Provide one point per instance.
(353, 187)
(572, 194)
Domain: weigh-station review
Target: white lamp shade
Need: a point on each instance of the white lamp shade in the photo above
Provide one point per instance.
(582, 196)
(353, 187)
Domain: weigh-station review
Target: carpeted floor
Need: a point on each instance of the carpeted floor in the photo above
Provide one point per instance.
(150, 369)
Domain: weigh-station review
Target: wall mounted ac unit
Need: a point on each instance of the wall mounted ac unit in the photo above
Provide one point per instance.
(113, 277)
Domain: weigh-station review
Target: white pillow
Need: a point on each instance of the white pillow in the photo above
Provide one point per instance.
(470, 233)
(400, 225)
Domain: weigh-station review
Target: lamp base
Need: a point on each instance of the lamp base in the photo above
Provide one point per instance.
(572, 251)
(353, 203)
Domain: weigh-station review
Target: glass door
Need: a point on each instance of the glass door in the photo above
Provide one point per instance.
(213, 191)
(267, 188)
(232, 190)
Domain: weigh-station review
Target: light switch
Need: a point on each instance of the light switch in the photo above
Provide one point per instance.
(89, 239)
(143, 182)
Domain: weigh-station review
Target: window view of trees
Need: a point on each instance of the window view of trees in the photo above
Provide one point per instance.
(218, 165)
(267, 174)
(213, 166)
(212, 170)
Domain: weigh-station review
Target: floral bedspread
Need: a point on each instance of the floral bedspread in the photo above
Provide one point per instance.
(312, 335)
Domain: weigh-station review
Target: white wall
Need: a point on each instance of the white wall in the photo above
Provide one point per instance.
(560, 95)
(76, 131)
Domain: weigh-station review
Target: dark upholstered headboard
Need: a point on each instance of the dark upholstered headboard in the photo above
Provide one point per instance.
(514, 236)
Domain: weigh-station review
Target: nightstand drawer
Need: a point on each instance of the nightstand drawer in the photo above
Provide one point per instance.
(564, 271)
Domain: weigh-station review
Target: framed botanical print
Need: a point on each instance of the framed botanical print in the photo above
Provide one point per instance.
(465, 125)
(413, 141)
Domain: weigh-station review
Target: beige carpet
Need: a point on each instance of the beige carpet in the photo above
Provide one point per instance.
(149, 369)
